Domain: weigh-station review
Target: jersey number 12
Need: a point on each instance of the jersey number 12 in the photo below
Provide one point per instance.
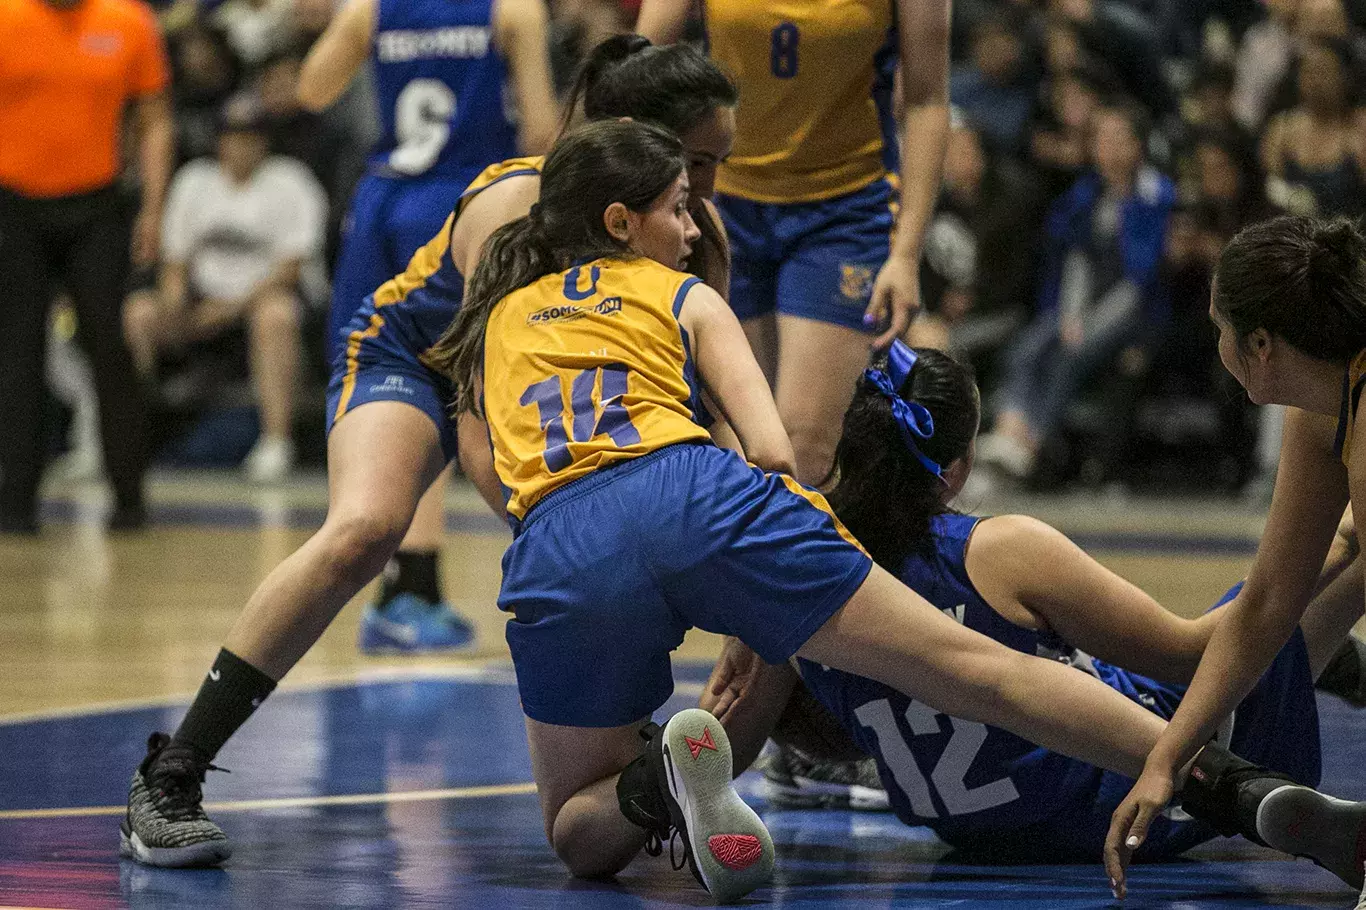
(950, 771)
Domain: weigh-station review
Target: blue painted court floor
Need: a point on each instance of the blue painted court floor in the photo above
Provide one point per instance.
(396, 792)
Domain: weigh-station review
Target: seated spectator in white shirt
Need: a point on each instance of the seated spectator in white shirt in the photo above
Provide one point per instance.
(237, 233)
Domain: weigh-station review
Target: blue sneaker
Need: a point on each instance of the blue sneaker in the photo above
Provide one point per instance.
(409, 625)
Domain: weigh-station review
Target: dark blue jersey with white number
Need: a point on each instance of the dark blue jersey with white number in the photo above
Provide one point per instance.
(978, 785)
(443, 89)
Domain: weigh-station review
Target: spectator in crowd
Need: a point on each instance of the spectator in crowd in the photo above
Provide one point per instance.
(1315, 146)
(977, 273)
(238, 233)
(995, 87)
(206, 73)
(68, 68)
(1100, 291)
(1124, 39)
(256, 28)
(1264, 58)
(1059, 144)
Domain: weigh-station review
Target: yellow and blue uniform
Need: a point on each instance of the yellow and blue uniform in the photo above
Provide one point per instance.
(630, 526)
(441, 85)
(1353, 381)
(381, 351)
(980, 786)
(805, 193)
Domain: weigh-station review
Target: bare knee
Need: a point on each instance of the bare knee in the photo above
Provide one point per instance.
(814, 447)
(576, 843)
(360, 543)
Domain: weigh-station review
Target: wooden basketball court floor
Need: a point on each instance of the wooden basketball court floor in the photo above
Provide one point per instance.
(405, 782)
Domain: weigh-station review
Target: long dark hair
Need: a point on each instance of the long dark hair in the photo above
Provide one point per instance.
(676, 87)
(1301, 279)
(591, 167)
(883, 494)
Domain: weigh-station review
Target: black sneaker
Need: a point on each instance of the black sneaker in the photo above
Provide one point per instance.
(794, 780)
(166, 824)
(1305, 823)
(683, 791)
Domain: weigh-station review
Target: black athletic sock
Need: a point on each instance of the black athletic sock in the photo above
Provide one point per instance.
(411, 572)
(231, 692)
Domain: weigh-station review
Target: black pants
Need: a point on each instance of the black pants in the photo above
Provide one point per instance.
(80, 244)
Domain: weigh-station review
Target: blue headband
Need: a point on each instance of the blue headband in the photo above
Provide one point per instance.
(912, 419)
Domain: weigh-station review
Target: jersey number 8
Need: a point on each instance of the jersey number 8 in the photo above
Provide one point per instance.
(422, 125)
(782, 52)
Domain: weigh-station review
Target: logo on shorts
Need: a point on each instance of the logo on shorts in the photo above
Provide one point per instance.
(695, 746)
(856, 281)
(561, 312)
(392, 384)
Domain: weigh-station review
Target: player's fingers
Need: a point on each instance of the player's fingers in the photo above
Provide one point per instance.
(878, 305)
(1116, 855)
(900, 321)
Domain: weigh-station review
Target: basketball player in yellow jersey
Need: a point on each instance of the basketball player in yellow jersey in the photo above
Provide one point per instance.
(818, 269)
(391, 433)
(586, 349)
(1289, 300)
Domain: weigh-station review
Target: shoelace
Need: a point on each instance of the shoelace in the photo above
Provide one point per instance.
(654, 846)
(177, 783)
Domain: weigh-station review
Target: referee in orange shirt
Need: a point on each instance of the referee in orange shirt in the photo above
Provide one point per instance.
(68, 69)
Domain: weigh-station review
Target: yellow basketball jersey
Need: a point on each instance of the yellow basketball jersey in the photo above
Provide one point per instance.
(1352, 384)
(512, 167)
(584, 369)
(815, 79)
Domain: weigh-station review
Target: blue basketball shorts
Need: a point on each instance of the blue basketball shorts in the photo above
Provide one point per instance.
(390, 219)
(381, 365)
(816, 260)
(608, 572)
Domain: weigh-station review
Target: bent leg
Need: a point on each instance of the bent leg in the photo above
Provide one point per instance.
(274, 335)
(381, 458)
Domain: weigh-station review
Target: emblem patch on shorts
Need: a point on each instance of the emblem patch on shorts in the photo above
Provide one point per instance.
(856, 281)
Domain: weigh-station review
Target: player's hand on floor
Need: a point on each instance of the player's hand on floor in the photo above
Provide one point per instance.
(1129, 824)
(732, 676)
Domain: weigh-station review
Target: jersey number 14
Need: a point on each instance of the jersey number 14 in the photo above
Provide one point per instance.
(614, 421)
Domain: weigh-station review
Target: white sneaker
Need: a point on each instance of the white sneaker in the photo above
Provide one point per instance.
(270, 460)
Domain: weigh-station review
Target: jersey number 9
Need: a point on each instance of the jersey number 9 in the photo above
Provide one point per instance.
(782, 52)
(422, 125)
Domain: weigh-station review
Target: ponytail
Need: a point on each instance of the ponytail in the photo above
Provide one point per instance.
(607, 54)
(895, 442)
(1301, 279)
(515, 255)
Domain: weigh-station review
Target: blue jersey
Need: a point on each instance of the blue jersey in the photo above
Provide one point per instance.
(971, 783)
(442, 89)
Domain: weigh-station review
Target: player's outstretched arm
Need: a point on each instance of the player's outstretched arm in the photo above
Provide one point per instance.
(522, 30)
(734, 380)
(1311, 492)
(337, 57)
(1021, 564)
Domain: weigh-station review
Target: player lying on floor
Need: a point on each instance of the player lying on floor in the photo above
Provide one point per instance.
(905, 452)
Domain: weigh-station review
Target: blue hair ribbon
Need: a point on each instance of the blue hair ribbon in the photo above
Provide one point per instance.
(912, 419)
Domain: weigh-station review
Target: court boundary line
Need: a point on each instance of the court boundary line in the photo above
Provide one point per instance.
(294, 802)
(493, 672)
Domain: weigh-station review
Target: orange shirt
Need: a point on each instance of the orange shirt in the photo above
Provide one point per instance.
(65, 76)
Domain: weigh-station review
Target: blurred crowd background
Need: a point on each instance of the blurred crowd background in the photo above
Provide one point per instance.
(1102, 153)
